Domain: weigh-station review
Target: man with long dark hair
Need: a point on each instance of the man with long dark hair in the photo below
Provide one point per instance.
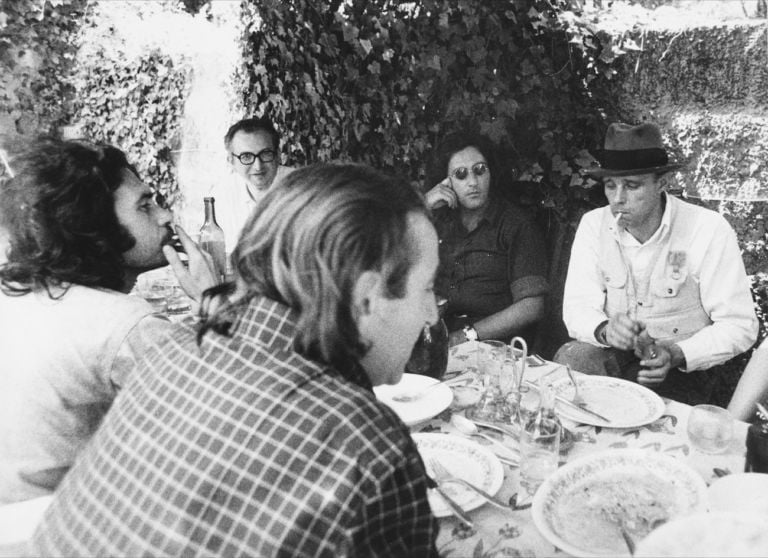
(262, 436)
(493, 266)
(81, 226)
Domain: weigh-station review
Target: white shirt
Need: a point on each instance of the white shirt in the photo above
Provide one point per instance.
(715, 263)
(235, 201)
(62, 363)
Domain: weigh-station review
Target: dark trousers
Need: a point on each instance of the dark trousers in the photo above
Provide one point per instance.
(693, 388)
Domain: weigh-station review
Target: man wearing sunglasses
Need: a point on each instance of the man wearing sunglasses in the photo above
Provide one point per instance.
(253, 152)
(492, 264)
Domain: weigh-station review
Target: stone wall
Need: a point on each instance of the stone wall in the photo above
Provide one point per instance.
(705, 81)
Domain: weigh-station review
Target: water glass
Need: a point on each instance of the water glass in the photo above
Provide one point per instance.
(491, 356)
(154, 290)
(178, 302)
(710, 428)
(528, 405)
(539, 455)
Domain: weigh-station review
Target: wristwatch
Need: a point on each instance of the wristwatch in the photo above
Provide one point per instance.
(470, 333)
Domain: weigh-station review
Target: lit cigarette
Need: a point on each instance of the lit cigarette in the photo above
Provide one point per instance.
(6, 165)
(616, 219)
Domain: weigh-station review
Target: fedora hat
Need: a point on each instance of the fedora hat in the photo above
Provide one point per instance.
(631, 150)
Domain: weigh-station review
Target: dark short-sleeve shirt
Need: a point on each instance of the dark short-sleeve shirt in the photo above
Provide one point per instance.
(499, 263)
(243, 447)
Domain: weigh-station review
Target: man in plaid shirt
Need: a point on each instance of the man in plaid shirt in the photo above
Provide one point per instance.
(260, 434)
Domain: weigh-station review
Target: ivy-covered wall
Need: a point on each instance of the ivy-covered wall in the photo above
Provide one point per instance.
(38, 43)
(136, 104)
(130, 96)
(382, 82)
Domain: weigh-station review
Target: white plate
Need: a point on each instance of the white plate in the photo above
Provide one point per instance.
(709, 534)
(570, 508)
(464, 459)
(625, 403)
(741, 492)
(433, 402)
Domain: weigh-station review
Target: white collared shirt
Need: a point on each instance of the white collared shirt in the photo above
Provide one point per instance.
(714, 260)
(235, 201)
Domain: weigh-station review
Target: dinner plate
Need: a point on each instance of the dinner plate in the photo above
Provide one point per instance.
(625, 403)
(709, 535)
(464, 459)
(580, 508)
(740, 492)
(432, 402)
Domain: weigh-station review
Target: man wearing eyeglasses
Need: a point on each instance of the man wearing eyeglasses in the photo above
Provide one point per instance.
(493, 266)
(253, 151)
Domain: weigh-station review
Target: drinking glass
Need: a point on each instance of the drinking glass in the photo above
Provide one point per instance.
(490, 359)
(178, 302)
(527, 406)
(710, 428)
(154, 290)
(539, 455)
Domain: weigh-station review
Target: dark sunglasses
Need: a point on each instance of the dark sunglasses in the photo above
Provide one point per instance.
(478, 169)
(248, 158)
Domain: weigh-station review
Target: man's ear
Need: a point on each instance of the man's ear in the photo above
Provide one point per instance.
(366, 294)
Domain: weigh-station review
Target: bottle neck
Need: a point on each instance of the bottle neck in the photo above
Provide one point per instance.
(210, 213)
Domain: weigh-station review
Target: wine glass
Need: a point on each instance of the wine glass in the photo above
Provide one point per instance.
(710, 428)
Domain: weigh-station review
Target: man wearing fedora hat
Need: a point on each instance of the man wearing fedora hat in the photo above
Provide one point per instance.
(656, 290)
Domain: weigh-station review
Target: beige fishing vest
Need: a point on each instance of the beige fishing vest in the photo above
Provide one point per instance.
(668, 301)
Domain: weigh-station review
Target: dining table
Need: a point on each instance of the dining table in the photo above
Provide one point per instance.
(512, 531)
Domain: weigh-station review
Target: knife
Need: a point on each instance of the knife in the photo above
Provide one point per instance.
(455, 508)
(571, 404)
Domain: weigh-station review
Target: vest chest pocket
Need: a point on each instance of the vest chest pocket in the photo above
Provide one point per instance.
(614, 278)
(670, 283)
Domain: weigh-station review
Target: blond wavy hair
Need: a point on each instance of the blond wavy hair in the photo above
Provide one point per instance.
(310, 239)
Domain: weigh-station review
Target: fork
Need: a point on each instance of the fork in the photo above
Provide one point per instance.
(443, 475)
(578, 400)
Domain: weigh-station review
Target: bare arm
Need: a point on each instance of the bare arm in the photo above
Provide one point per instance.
(507, 322)
(752, 386)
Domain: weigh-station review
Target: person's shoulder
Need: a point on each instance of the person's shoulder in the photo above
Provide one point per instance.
(703, 216)
(107, 302)
(511, 210)
(362, 416)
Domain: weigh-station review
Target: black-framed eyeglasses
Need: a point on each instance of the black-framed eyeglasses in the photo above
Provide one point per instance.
(248, 158)
(478, 169)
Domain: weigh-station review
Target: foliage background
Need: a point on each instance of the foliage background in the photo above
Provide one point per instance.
(383, 81)
(38, 45)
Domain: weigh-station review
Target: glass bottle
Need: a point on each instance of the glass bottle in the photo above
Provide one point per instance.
(212, 238)
(540, 443)
(757, 445)
(430, 354)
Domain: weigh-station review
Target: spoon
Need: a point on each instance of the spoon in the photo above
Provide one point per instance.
(469, 428)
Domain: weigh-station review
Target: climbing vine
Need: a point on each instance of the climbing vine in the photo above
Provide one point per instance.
(38, 44)
(382, 81)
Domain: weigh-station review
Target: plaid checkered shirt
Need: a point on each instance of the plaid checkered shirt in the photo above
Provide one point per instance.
(243, 447)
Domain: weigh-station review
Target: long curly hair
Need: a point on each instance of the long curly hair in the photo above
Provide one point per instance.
(308, 242)
(453, 143)
(60, 220)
